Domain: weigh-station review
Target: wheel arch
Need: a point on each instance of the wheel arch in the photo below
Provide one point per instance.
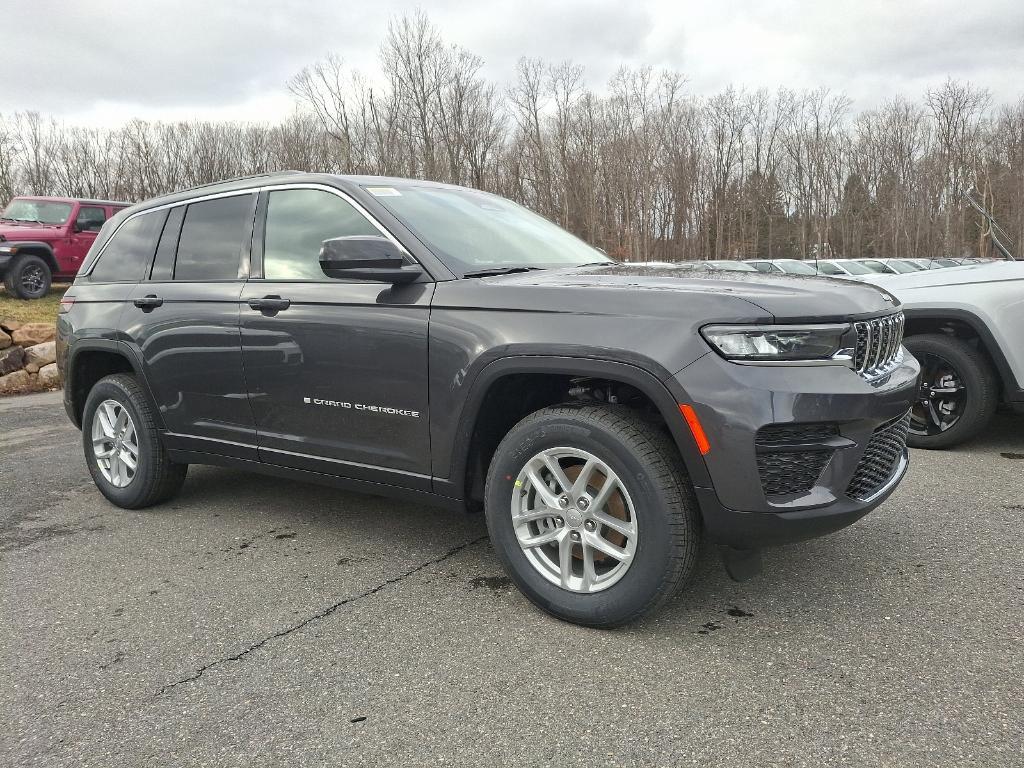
(89, 360)
(965, 325)
(36, 248)
(477, 436)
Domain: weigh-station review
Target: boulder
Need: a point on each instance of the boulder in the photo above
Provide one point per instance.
(19, 381)
(10, 326)
(11, 359)
(49, 376)
(31, 334)
(5, 339)
(39, 355)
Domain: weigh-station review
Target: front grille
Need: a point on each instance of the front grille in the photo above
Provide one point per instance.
(788, 472)
(880, 458)
(878, 344)
(775, 435)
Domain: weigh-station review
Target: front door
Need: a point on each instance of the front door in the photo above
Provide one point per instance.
(81, 236)
(336, 369)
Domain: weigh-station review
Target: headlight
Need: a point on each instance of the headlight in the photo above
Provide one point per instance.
(6, 249)
(783, 343)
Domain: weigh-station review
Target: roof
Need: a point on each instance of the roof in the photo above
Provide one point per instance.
(87, 200)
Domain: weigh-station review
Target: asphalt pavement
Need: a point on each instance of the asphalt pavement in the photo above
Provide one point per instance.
(258, 622)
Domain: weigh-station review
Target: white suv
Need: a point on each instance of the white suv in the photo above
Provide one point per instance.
(966, 327)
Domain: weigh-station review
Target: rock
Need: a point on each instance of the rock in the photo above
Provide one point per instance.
(31, 334)
(49, 376)
(5, 340)
(11, 359)
(19, 381)
(39, 355)
(10, 326)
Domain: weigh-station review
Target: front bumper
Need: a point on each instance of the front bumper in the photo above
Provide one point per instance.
(734, 401)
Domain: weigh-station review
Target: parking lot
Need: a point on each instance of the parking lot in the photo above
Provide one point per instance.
(253, 621)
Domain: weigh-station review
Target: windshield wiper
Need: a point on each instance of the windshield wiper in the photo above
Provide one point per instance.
(492, 271)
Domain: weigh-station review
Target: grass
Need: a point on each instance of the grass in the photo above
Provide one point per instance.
(42, 310)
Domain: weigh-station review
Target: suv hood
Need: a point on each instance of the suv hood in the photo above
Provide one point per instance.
(782, 297)
(969, 274)
(30, 231)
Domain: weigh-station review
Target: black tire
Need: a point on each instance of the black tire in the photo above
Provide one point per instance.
(648, 463)
(156, 478)
(980, 389)
(28, 277)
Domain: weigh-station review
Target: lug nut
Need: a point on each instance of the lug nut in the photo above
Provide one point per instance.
(563, 501)
(582, 503)
(575, 535)
(559, 522)
(589, 525)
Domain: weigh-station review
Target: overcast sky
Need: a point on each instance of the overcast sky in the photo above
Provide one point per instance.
(99, 62)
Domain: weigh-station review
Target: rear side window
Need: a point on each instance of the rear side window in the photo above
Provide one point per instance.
(210, 246)
(298, 222)
(128, 254)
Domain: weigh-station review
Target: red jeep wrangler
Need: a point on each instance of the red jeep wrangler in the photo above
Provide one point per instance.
(43, 238)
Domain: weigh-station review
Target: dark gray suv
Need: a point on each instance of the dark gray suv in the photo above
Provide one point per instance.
(444, 345)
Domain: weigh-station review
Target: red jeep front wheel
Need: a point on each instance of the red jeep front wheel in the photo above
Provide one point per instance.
(28, 277)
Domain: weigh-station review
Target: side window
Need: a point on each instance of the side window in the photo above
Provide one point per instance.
(90, 219)
(210, 246)
(128, 254)
(163, 264)
(298, 221)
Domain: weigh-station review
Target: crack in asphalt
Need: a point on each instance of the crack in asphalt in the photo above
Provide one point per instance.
(321, 615)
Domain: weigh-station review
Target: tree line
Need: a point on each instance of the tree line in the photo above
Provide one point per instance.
(642, 168)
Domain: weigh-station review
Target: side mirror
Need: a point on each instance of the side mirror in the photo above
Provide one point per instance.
(366, 257)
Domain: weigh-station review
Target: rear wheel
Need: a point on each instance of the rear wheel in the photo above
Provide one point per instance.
(592, 514)
(958, 391)
(28, 277)
(126, 459)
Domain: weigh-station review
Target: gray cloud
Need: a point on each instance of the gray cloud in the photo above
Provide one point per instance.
(155, 55)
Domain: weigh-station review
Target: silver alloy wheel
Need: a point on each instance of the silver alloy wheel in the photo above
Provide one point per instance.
(574, 520)
(115, 443)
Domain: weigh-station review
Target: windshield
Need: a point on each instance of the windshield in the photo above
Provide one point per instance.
(828, 268)
(876, 266)
(856, 268)
(39, 211)
(474, 231)
(902, 267)
(732, 266)
(796, 268)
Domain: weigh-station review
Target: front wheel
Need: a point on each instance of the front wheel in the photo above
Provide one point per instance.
(958, 391)
(28, 277)
(592, 514)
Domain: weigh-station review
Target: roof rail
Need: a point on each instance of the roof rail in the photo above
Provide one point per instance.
(241, 178)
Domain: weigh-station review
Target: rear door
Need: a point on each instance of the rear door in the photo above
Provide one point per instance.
(183, 320)
(336, 369)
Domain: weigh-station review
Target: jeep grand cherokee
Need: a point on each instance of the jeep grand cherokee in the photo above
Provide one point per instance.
(445, 345)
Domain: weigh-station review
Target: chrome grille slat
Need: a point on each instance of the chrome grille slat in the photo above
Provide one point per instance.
(878, 344)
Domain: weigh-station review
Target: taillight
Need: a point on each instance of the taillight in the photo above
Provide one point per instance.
(66, 303)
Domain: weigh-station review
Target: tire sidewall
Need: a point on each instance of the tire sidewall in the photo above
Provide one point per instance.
(131, 495)
(644, 578)
(978, 403)
(18, 270)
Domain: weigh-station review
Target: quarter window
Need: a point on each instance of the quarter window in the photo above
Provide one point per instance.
(128, 254)
(210, 246)
(298, 221)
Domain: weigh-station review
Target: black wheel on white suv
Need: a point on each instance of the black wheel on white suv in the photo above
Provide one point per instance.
(126, 459)
(592, 513)
(29, 277)
(958, 391)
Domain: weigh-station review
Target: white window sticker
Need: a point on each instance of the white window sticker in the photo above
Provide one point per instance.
(383, 191)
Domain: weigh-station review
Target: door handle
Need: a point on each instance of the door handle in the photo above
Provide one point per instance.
(269, 304)
(148, 303)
